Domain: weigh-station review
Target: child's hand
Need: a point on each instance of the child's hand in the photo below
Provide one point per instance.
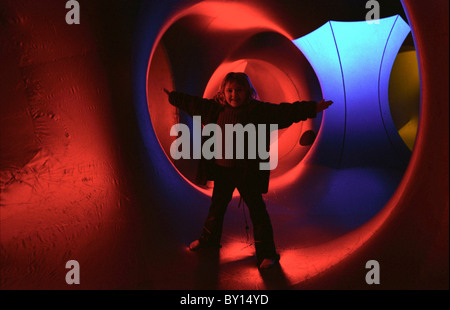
(322, 105)
(166, 91)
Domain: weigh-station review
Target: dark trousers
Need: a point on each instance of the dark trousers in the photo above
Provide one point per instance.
(225, 181)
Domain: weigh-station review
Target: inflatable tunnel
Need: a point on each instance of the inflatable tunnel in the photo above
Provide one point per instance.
(87, 175)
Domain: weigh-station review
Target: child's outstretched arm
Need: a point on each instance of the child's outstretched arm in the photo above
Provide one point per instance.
(193, 105)
(323, 105)
(285, 114)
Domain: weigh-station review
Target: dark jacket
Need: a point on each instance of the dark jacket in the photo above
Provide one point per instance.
(283, 114)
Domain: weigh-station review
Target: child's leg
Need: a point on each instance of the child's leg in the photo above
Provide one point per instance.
(224, 186)
(262, 226)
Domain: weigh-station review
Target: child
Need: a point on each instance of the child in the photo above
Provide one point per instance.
(236, 103)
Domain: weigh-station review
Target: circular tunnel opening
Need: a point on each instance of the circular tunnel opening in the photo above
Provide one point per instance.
(188, 59)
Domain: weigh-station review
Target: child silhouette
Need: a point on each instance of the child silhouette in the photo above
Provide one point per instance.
(235, 103)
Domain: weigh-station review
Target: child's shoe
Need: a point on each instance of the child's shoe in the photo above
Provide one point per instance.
(197, 245)
(268, 263)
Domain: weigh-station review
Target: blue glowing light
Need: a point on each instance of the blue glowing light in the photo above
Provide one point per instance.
(353, 62)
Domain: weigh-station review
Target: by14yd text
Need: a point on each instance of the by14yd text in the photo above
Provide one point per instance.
(226, 300)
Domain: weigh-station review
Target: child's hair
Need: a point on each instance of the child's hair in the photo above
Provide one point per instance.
(242, 79)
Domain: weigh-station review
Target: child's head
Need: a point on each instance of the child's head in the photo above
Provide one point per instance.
(236, 89)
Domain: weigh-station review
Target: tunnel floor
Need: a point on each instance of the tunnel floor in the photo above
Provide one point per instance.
(308, 220)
